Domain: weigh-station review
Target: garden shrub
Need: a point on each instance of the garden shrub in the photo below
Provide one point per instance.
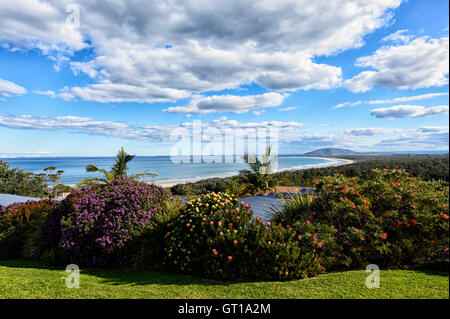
(388, 218)
(215, 236)
(148, 251)
(19, 223)
(97, 225)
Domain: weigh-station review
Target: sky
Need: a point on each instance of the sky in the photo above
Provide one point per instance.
(84, 78)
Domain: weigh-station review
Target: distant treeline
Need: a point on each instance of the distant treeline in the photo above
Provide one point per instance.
(430, 167)
(18, 182)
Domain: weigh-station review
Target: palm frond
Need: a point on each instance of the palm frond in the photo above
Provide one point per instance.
(91, 181)
(143, 173)
(120, 167)
(92, 168)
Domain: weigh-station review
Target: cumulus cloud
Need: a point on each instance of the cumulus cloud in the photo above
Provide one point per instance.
(419, 63)
(402, 111)
(228, 103)
(28, 24)
(8, 89)
(157, 51)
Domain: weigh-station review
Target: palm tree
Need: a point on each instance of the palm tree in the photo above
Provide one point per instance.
(258, 179)
(119, 169)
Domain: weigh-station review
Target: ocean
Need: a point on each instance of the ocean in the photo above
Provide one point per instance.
(169, 172)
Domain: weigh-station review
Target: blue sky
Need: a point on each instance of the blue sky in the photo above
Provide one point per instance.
(368, 77)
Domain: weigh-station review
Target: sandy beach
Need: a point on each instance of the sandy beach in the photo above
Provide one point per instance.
(340, 162)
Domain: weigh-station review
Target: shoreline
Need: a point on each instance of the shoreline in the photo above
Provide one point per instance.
(334, 162)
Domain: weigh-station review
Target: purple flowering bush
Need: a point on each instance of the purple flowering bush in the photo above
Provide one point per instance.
(96, 225)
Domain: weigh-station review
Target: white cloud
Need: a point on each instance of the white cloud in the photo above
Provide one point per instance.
(346, 104)
(166, 50)
(372, 131)
(419, 63)
(46, 93)
(392, 101)
(9, 89)
(26, 24)
(155, 133)
(286, 109)
(292, 136)
(403, 111)
(416, 141)
(433, 129)
(228, 103)
(399, 35)
(366, 139)
(408, 98)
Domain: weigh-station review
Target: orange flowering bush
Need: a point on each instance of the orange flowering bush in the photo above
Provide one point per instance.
(389, 218)
(215, 236)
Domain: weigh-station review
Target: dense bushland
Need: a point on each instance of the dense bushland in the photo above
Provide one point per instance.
(429, 167)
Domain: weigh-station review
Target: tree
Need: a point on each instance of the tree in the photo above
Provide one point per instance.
(18, 182)
(258, 178)
(53, 181)
(119, 169)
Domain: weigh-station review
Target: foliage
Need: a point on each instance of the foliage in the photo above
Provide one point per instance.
(21, 214)
(389, 218)
(18, 182)
(96, 225)
(257, 179)
(19, 224)
(119, 169)
(236, 188)
(148, 251)
(291, 207)
(430, 167)
(53, 180)
(215, 236)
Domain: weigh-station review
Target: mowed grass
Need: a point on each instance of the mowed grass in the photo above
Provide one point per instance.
(23, 279)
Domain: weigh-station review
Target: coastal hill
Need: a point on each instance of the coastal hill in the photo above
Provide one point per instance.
(331, 152)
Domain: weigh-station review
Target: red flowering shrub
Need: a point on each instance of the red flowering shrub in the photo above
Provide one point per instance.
(18, 222)
(20, 214)
(215, 236)
(389, 218)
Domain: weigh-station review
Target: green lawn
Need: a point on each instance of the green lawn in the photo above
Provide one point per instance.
(23, 279)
